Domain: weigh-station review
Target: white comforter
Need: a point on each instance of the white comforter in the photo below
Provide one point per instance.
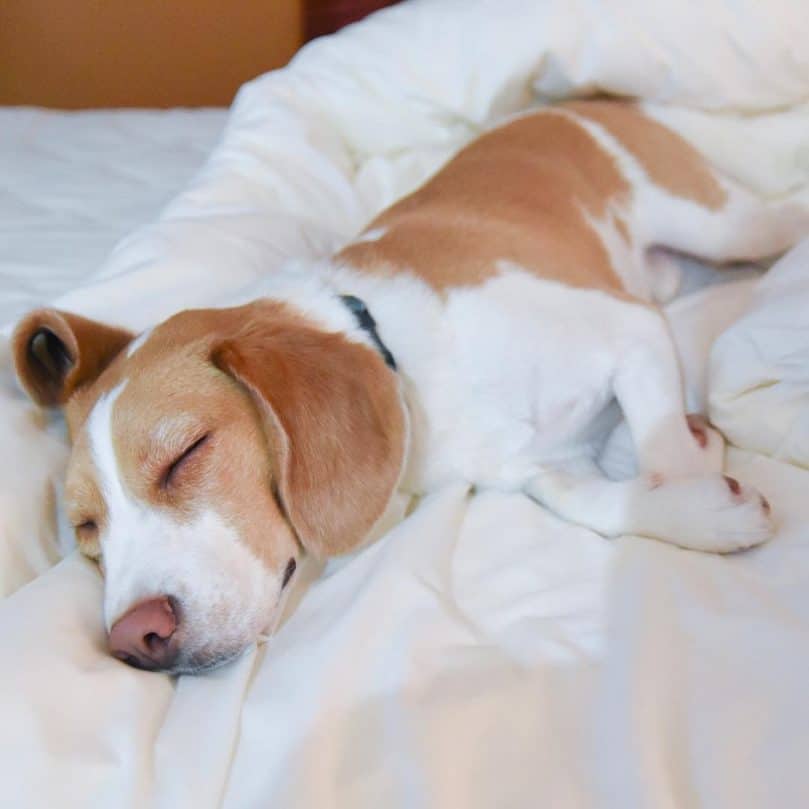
(483, 653)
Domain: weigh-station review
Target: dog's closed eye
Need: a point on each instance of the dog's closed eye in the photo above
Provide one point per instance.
(174, 468)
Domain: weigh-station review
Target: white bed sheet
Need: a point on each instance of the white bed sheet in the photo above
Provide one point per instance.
(483, 653)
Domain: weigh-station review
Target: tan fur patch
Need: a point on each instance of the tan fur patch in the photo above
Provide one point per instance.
(521, 194)
(50, 377)
(669, 161)
(334, 421)
(622, 228)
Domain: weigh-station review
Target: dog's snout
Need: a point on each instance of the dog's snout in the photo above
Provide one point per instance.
(144, 637)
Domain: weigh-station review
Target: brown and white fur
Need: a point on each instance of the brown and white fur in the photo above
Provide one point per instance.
(517, 291)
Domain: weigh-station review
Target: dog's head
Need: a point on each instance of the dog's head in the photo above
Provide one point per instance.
(208, 455)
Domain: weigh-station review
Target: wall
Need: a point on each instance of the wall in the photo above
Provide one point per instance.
(150, 53)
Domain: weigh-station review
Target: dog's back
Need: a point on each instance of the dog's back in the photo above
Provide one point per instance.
(551, 192)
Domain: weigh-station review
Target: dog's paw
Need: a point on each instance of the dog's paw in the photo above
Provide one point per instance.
(723, 515)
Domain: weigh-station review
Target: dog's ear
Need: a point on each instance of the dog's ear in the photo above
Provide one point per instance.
(334, 422)
(55, 353)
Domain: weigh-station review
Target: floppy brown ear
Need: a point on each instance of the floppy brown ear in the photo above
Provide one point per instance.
(56, 352)
(334, 421)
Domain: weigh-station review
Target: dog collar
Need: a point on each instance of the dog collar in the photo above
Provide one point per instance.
(368, 325)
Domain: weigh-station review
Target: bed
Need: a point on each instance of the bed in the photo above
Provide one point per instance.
(482, 653)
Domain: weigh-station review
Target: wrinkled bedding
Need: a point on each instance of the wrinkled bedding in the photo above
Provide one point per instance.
(482, 653)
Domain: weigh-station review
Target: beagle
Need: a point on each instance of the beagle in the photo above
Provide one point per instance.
(490, 327)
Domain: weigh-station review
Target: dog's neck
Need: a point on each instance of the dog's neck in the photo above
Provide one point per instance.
(366, 322)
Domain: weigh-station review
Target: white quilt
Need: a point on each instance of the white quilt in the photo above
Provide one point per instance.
(483, 653)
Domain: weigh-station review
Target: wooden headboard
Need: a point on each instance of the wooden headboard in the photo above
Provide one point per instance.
(153, 53)
(326, 16)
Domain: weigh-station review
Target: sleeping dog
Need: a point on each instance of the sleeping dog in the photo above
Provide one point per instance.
(490, 327)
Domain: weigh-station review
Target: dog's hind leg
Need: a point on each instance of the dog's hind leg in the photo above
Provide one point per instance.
(745, 227)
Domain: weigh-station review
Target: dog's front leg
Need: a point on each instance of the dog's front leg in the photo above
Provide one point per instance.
(716, 513)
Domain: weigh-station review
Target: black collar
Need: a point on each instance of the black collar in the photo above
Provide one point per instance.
(368, 324)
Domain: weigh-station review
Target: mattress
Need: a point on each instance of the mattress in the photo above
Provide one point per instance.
(482, 652)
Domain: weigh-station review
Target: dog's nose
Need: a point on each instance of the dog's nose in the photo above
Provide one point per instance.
(143, 636)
